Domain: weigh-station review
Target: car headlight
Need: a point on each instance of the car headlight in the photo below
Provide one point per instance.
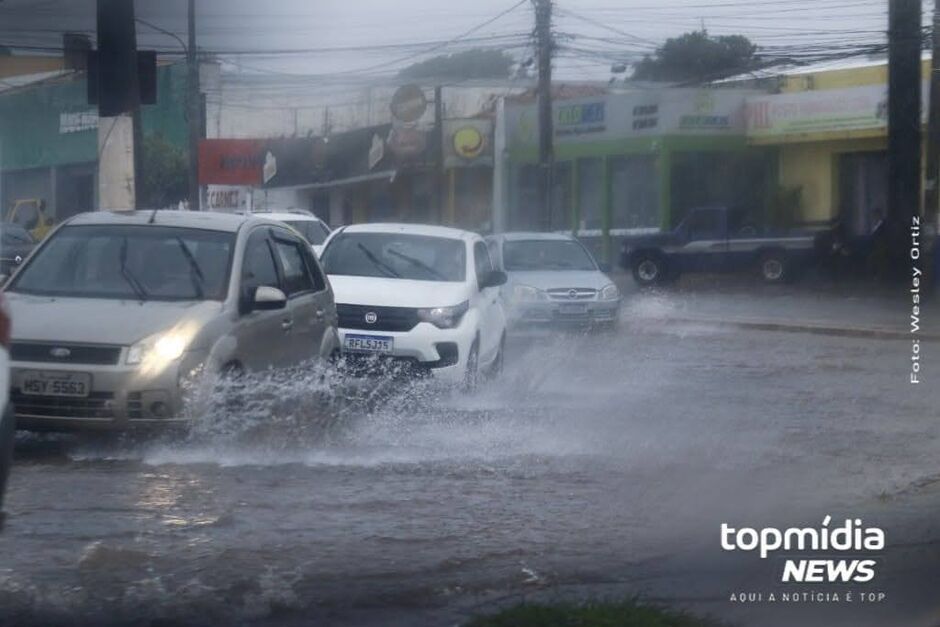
(610, 292)
(161, 348)
(444, 317)
(527, 293)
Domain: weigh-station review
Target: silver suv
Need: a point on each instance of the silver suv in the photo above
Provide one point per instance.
(114, 311)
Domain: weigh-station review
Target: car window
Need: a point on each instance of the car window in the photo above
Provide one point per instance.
(482, 262)
(130, 262)
(297, 277)
(546, 254)
(492, 245)
(313, 230)
(705, 224)
(396, 256)
(259, 267)
(313, 266)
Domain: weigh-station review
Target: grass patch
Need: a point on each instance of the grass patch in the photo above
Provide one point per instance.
(619, 614)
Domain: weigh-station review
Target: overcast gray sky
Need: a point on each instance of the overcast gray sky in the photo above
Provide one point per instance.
(592, 33)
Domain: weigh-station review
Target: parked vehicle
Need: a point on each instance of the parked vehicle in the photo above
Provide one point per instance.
(423, 298)
(116, 311)
(30, 214)
(15, 245)
(716, 239)
(313, 229)
(7, 428)
(553, 279)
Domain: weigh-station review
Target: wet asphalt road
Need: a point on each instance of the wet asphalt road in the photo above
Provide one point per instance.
(597, 466)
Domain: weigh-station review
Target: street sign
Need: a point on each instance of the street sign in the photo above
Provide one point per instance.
(408, 104)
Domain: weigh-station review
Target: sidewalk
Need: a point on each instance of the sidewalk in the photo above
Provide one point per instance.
(853, 309)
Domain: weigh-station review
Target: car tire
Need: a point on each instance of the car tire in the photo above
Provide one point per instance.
(7, 432)
(774, 267)
(471, 376)
(648, 269)
(496, 368)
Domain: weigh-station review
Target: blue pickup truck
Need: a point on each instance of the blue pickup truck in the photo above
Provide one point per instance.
(718, 239)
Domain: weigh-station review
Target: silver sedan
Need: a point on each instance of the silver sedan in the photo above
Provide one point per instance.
(553, 280)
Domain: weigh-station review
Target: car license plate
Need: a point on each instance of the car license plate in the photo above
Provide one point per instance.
(369, 344)
(48, 383)
(572, 309)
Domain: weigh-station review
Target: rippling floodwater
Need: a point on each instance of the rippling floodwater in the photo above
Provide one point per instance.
(591, 458)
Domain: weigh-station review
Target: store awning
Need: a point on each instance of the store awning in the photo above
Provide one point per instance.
(352, 180)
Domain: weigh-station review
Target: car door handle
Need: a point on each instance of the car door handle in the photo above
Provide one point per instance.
(319, 314)
(287, 324)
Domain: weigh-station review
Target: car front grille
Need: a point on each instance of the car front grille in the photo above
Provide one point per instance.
(95, 405)
(572, 293)
(64, 353)
(385, 318)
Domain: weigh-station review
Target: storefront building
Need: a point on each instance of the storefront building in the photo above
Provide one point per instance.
(829, 130)
(49, 138)
(635, 162)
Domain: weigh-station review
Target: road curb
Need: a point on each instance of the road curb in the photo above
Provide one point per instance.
(797, 327)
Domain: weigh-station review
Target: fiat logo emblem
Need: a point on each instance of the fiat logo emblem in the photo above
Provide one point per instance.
(60, 352)
(371, 318)
(572, 293)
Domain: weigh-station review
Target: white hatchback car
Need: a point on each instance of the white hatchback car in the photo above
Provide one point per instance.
(424, 298)
(312, 228)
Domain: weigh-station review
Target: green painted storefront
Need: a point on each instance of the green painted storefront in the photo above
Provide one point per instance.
(38, 149)
(640, 180)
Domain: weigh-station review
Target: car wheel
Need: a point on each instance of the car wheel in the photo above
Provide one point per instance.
(7, 431)
(648, 270)
(773, 267)
(499, 362)
(471, 375)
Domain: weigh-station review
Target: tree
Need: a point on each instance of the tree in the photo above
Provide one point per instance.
(696, 57)
(470, 64)
(164, 173)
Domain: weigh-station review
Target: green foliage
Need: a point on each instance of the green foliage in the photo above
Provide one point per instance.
(696, 57)
(622, 614)
(470, 64)
(164, 175)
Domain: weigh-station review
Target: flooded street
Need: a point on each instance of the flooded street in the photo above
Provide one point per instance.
(592, 463)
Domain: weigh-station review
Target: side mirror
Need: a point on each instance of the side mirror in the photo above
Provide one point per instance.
(604, 267)
(494, 279)
(265, 298)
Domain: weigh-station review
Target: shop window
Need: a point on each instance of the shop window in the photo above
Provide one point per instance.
(591, 194)
(526, 213)
(634, 192)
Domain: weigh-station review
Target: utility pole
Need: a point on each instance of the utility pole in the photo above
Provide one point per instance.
(439, 153)
(932, 193)
(904, 126)
(193, 108)
(118, 92)
(543, 33)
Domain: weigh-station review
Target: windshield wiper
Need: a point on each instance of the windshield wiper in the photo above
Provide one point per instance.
(196, 272)
(378, 263)
(135, 284)
(418, 263)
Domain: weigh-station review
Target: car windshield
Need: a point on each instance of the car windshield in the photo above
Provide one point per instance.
(546, 255)
(313, 231)
(130, 262)
(396, 256)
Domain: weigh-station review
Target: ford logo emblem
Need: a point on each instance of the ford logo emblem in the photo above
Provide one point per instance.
(371, 318)
(60, 352)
